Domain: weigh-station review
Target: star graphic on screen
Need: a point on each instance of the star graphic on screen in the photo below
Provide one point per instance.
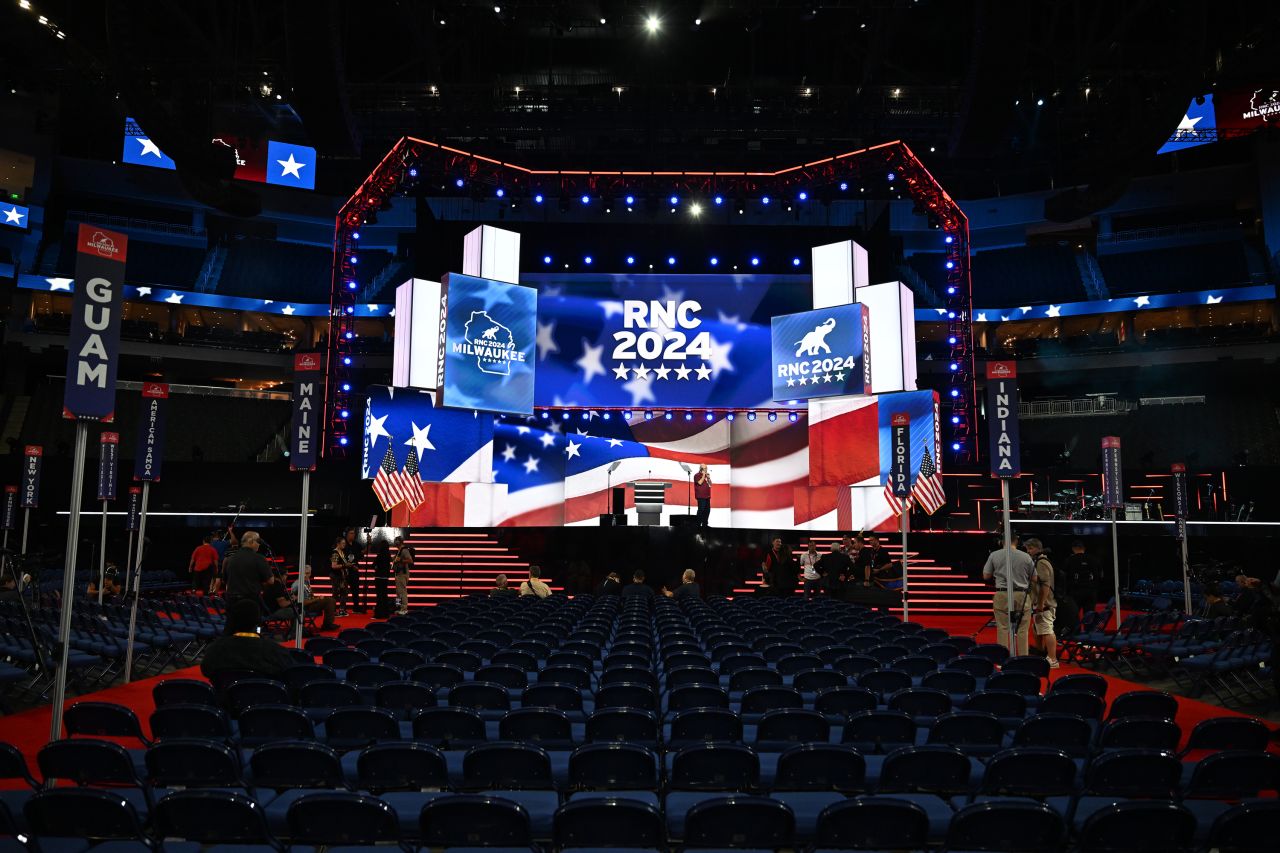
(1212, 300)
(615, 442)
(60, 283)
(1004, 318)
(1187, 124)
(641, 390)
(531, 464)
(12, 215)
(144, 291)
(662, 371)
(610, 307)
(547, 439)
(291, 167)
(839, 377)
(1142, 302)
(288, 310)
(804, 381)
(373, 309)
(1025, 309)
(508, 453)
(545, 343)
(981, 318)
(555, 427)
(521, 430)
(683, 372)
(174, 298)
(149, 147)
(826, 377)
(669, 295)
(704, 372)
(582, 432)
(791, 383)
(641, 372)
(719, 358)
(590, 362)
(376, 429)
(420, 439)
(621, 372)
(572, 449)
(1054, 311)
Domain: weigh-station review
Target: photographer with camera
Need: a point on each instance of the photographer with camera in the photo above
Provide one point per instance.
(1044, 607)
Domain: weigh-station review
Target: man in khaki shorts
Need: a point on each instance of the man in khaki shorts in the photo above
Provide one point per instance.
(1045, 609)
(997, 569)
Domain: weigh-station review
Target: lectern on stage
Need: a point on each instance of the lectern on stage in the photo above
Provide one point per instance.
(650, 495)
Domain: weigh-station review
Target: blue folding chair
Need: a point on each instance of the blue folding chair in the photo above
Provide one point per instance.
(84, 814)
(183, 691)
(449, 728)
(404, 698)
(609, 823)
(471, 821)
(1029, 771)
(631, 725)
(1006, 827)
(872, 823)
(193, 763)
(1144, 703)
(879, 731)
(1217, 733)
(262, 724)
(1143, 732)
(972, 732)
(210, 817)
(96, 763)
(546, 727)
(354, 728)
(184, 721)
(1151, 826)
(294, 769)
(103, 719)
(1247, 828)
(739, 822)
(705, 725)
(844, 702)
(614, 767)
(333, 818)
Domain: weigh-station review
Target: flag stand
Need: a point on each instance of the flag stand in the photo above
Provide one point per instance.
(1115, 565)
(1014, 628)
(136, 581)
(906, 614)
(26, 518)
(302, 559)
(68, 577)
(102, 554)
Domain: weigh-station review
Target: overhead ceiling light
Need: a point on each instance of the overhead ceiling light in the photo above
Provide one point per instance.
(653, 23)
(603, 22)
(695, 209)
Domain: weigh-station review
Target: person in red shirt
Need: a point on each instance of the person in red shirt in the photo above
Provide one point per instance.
(204, 559)
(702, 493)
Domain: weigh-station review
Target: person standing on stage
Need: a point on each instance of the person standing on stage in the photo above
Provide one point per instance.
(836, 569)
(871, 559)
(1001, 566)
(1079, 578)
(779, 568)
(354, 553)
(338, 563)
(702, 492)
(809, 570)
(204, 560)
(403, 564)
(1044, 607)
(247, 573)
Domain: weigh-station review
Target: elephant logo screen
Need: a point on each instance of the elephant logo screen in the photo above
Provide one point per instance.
(822, 353)
(487, 349)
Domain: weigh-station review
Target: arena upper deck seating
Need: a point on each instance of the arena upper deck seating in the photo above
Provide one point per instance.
(600, 723)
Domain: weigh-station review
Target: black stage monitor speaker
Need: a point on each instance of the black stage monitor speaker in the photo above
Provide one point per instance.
(619, 500)
(618, 520)
(684, 520)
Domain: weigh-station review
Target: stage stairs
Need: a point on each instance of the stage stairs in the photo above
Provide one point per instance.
(933, 588)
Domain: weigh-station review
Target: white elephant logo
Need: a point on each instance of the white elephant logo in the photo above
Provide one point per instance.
(816, 340)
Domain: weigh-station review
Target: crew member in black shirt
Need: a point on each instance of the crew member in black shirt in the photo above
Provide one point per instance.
(243, 649)
(1078, 578)
(872, 559)
(836, 570)
(354, 553)
(779, 568)
(247, 573)
(638, 587)
(688, 587)
(611, 585)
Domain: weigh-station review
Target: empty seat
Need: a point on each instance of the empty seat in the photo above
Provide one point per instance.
(1141, 825)
(739, 822)
(449, 727)
(1006, 826)
(336, 818)
(609, 823)
(212, 817)
(872, 823)
(470, 821)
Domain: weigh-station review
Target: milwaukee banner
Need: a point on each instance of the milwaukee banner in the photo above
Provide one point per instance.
(133, 512)
(33, 457)
(1180, 499)
(304, 430)
(1002, 418)
(150, 452)
(1112, 476)
(93, 346)
(9, 516)
(108, 459)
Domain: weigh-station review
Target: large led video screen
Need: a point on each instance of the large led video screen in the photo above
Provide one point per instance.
(486, 358)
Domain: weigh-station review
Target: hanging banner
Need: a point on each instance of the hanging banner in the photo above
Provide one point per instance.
(304, 430)
(33, 457)
(1180, 499)
(9, 517)
(900, 469)
(133, 512)
(93, 346)
(1112, 479)
(1002, 418)
(108, 459)
(147, 460)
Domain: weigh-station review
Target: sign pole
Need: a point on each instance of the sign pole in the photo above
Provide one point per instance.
(8, 520)
(900, 479)
(1115, 565)
(1113, 498)
(108, 446)
(26, 520)
(1180, 529)
(906, 611)
(1014, 630)
(102, 553)
(302, 557)
(136, 582)
(69, 579)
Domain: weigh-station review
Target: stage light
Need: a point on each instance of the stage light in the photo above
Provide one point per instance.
(343, 441)
(793, 417)
(695, 209)
(671, 261)
(804, 196)
(351, 309)
(955, 445)
(586, 199)
(631, 200)
(497, 10)
(653, 23)
(631, 260)
(459, 182)
(764, 200)
(604, 415)
(355, 235)
(697, 22)
(346, 360)
(890, 176)
(351, 285)
(711, 416)
(673, 201)
(719, 199)
(755, 262)
(951, 315)
(648, 415)
(951, 291)
(844, 185)
(627, 415)
(951, 341)
(715, 261)
(955, 419)
(499, 192)
(350, 335)
(729, 416)
(688, 416)
(564, 416)
(667, 416)
(950, 265)
(954, 366)
(955, 392)
(603, 21)
(795, 262)
(413, 173)
(545, 414)
(948, 239)
(773, 416)
(1039, 102)
(587, 260)
(751, 416)
(586, 416)
(346, 413)
(537, 199)
(546, 259)
(346, 386)
(353, 259)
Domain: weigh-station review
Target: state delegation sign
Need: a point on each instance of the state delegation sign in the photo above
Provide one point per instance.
(93, 346)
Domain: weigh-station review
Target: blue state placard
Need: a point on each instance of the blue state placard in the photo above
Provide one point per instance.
(822, 353)
(488, 357)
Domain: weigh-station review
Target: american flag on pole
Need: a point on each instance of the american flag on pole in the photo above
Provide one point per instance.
(410, 481)
(386, 484)
(896, 503)
(928, 490)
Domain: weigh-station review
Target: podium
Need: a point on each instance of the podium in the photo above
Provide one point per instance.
(650, 495)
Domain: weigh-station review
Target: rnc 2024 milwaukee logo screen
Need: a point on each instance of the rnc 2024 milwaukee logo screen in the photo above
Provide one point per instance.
(490, 331)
